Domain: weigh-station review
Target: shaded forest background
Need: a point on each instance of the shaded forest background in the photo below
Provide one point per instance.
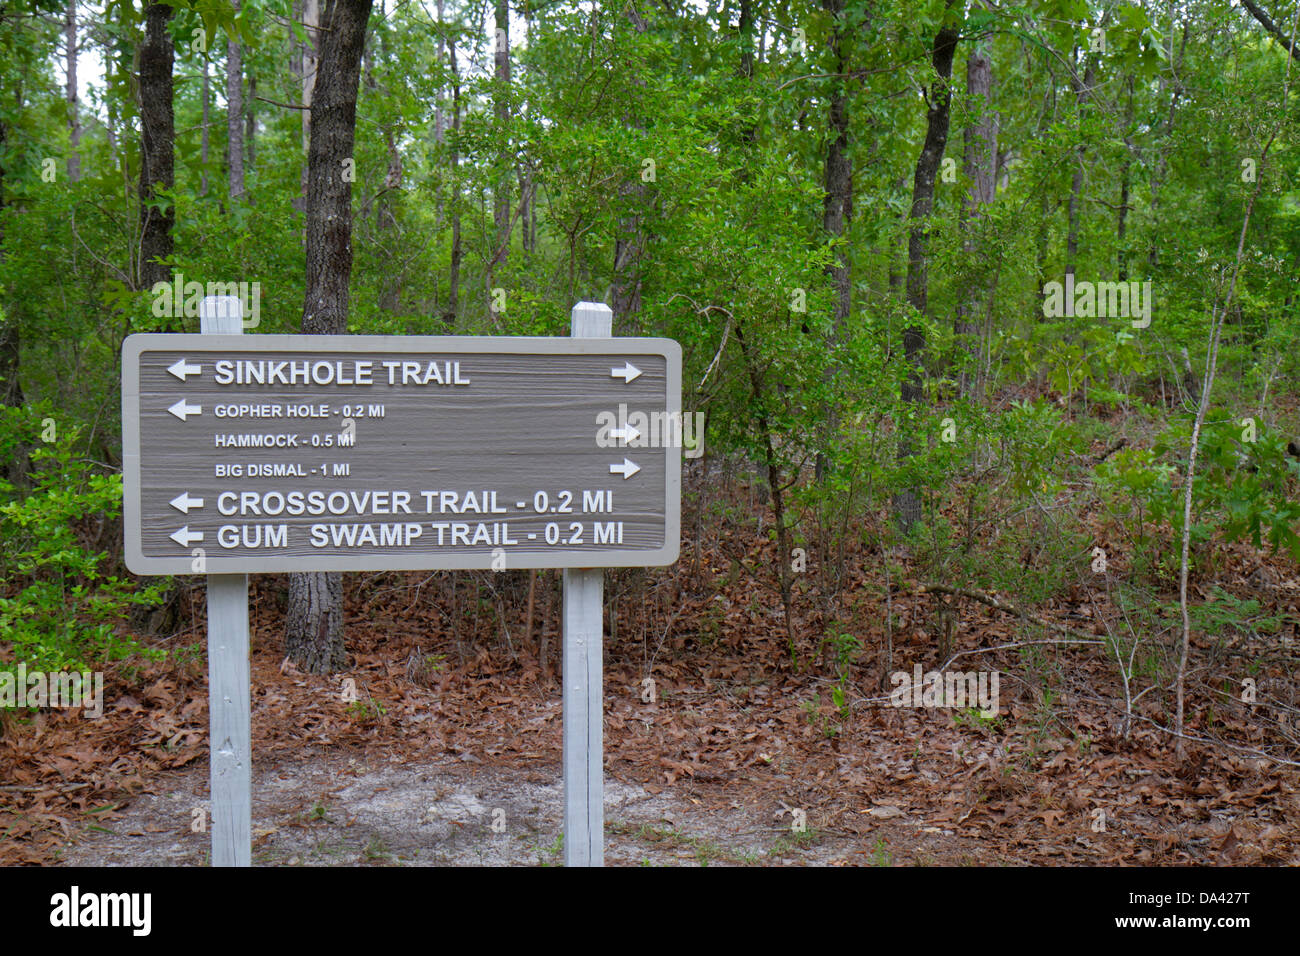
(859, 219)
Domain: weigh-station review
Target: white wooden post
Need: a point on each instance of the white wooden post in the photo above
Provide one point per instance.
(584, 589)
(229, 741)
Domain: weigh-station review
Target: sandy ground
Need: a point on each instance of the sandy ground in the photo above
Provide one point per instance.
(328, 810)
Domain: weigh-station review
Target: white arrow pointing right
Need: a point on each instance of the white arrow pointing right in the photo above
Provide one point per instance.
(183, 502)
(628, 434)
(180, 368)
(185, 537)
(627, 469)
(627, 373)
(181, 409)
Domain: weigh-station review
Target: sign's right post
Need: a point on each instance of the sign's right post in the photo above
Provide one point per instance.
(583, 698)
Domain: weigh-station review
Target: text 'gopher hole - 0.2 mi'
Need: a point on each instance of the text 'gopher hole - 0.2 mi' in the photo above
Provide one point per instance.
(336, 453)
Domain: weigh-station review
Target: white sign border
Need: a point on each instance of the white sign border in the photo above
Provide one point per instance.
(135, 345)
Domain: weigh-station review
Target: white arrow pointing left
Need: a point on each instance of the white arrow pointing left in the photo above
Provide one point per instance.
(627, 434)
(181, 368)
(185, 537)
(627, 469)
(183, 503)
(181, 409)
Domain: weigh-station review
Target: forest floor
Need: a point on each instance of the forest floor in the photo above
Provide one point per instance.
(451, 752)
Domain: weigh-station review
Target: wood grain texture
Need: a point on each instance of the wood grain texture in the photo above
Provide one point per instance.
(584, 695)
(526, 424)
(229, 703)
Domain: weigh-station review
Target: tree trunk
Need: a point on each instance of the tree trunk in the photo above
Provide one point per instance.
(625, 290)
(19, 465)
(979, 162)
(453, 298)
(1082, 93)
(501, 188)
(74, 117)
(837, 207)
(527, 188)
(438, 118)
(390, 295)
(158, 134)
(314, 623)
(1163, 150)
(235, 116)
(250, 130)
(309, 65)
(907, 503)
(1125, 182)
(329, 190)
(776, 485)
(205, 140)
(17, 468)
(1041, 245)
(1274, 30)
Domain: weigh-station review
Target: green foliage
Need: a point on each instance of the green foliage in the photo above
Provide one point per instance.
(652, 157)
(1243, 490)
(1005, 532)
(59, 609)
(1227, 612)
(1137, 489)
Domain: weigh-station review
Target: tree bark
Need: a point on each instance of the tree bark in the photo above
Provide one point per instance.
(501, 188)
(1082, 92)
(235, 115)
(837, 206)
(1268, 24)
(907, 503)
(250, 130)
(19, 465)
(314, 623)
(1163, 150)
(158, 134)
(309, 64)
(17, 468)
(453, 298)
(524, 173)
(329, 189)
(1125, 184)
(776, 485)
(74, 117)
(979, 162)
(625, 290)
(205, 140)
(439, 119)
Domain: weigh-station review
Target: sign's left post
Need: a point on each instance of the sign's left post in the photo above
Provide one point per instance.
(229, 742)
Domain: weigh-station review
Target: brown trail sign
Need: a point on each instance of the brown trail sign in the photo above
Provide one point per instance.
(366, 453)
(348, 453)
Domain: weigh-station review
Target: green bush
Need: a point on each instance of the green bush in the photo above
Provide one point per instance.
(1243, 489)
(58, 607)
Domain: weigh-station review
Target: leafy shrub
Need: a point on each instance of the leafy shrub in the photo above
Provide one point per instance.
(57, 606)
(1243, 489)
